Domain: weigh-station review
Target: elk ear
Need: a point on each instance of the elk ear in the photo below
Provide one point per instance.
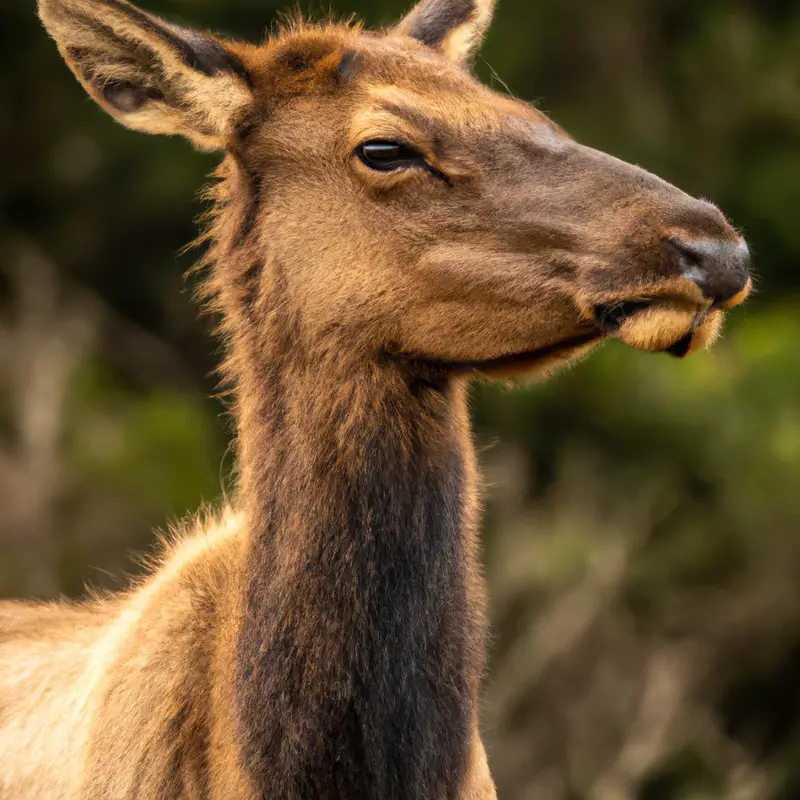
(148, 74)
(455, 27)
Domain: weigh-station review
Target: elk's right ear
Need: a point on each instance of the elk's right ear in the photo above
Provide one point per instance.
(148, 74)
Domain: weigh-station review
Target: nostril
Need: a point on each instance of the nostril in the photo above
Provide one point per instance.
(689, 260)
(720, 268)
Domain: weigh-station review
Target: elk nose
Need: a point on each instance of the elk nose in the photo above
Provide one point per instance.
(720, 268)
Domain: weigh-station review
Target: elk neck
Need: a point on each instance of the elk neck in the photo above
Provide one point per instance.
(360, 650)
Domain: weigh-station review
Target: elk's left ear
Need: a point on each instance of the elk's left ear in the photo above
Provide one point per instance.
(455, 27)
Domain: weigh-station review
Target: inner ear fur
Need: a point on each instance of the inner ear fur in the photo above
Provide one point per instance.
(147, 73)
(454, 27)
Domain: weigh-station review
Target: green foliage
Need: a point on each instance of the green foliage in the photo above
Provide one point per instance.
(162, 449)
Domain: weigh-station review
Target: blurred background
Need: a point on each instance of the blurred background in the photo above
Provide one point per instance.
(643, 524)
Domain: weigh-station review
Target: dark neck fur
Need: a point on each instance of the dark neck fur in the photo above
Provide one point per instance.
(359, 655)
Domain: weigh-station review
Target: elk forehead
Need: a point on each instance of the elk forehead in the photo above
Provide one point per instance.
(394, 87)
(463, 103)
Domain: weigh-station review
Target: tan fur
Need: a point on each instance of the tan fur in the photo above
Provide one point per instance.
(67, 671)
(354, 304)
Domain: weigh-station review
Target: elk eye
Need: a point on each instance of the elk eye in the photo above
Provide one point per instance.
(388, 156)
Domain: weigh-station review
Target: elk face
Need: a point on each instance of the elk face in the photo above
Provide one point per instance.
(510, 244)
(410, 209)
(464, 230)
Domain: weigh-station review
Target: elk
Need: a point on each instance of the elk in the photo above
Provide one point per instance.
(384, 229)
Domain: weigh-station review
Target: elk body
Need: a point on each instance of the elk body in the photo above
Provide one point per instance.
(385, 227)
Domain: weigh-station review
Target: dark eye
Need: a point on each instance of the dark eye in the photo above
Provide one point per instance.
(388, 156)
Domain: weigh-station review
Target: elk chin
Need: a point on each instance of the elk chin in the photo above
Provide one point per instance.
(671, 326)
(539, 365)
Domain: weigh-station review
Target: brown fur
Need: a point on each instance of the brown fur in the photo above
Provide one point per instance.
(325, 637)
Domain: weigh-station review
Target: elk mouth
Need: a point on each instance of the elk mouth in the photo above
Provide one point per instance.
(677, 323)
(669, 325)
(612, 322)
(672, 325)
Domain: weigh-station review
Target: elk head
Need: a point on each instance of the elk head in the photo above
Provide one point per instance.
(405, 208)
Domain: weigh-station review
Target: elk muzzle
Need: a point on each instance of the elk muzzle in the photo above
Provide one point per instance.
(704, 277)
